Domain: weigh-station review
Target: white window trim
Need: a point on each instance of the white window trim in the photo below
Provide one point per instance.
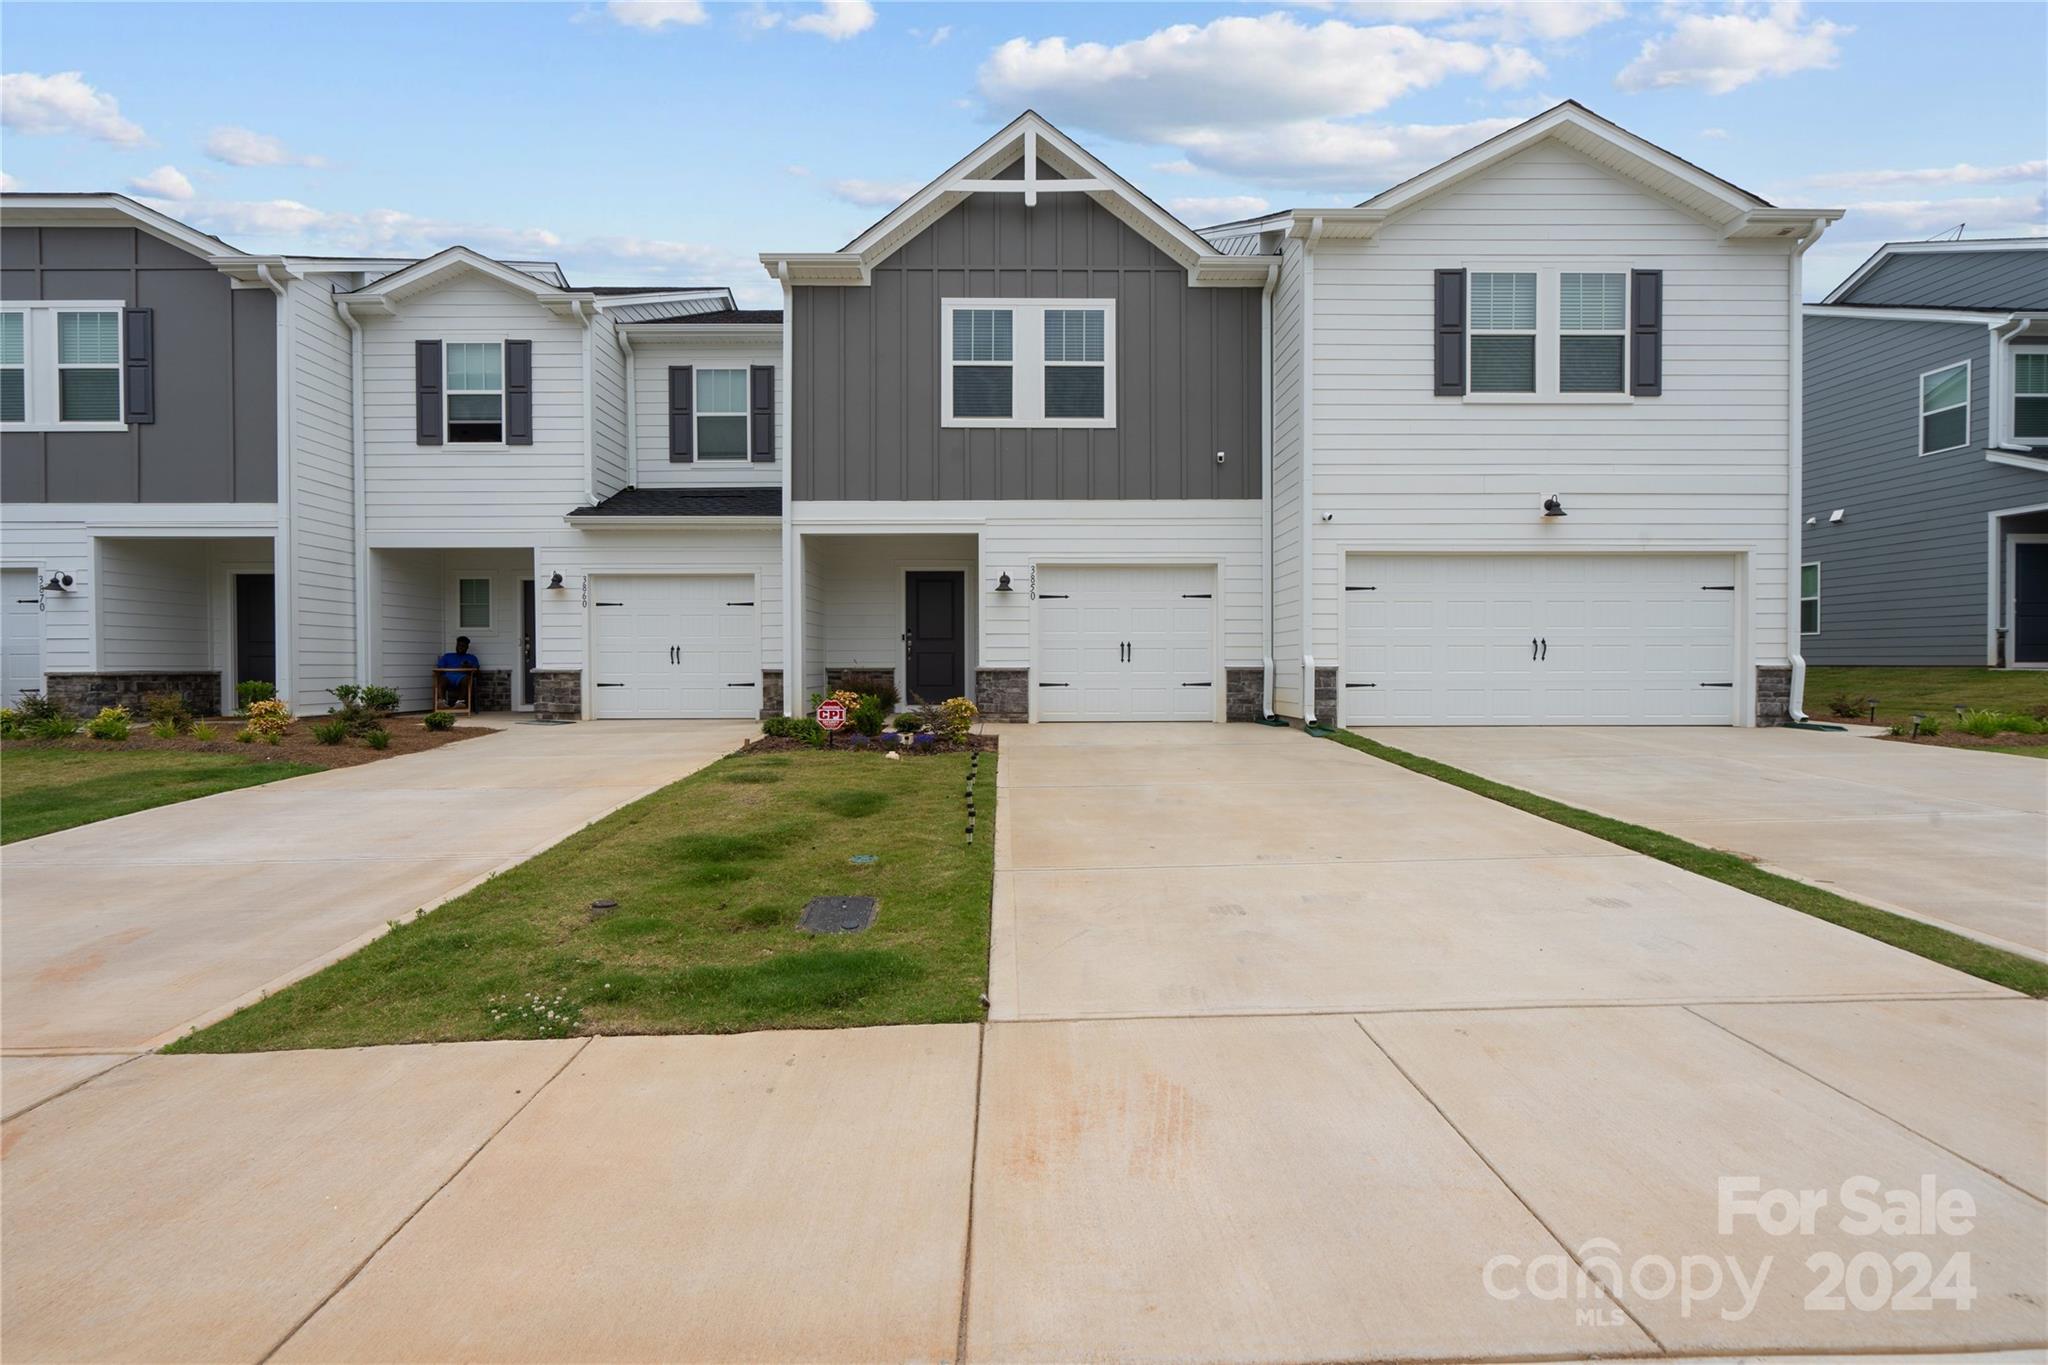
(449, 391)
(697, 415)
(1800, 620)
(1548, 335)
(1921, 414)
(1027, 363)
(489, 626)
(2006, 404)
(39, 354)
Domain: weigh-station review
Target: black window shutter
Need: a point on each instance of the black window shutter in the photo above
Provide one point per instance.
(682, 431)
(1450, 333)
(426, 391)
(1646, 333)
(518, 393)
(138, 358)
(762, 378)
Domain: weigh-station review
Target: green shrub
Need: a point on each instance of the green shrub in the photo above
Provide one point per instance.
(906, 722)
(203, 732)
(808, 730)
(867, 716)
(10, 723)
(110, 724)
(34, 706)
(51, 727)
(332, 731)
(378, 739)
(778, 727)
(1844, 707)
(167, 709)
(1900, 730)
(439, 720)
(245, 736)
(887, 695)
(363, 706)
(1986, 723)
(247, 694)
(269, 718)
(950, 720)
(1930, 726)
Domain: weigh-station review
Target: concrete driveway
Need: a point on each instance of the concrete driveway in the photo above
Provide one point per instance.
(1951, 836)
(123, 934)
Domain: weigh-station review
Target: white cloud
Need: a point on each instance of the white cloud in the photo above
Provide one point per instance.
(165, 182)
(1962, 173)
(1201, 209)
(655, 15)
(1993, 215)
(875, 193)
(1351, 157)
(1720, 52)
(242, 147)
(796, 170)
(935, 36)
(64, 103)
(1714, 134)
(8, 182)
(1181, 167)
(834, 19)
(1542, 20)
(1514, 66)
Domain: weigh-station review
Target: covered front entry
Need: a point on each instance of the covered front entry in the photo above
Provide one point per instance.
(674, 646)
(1126, 642)
(1540, 639)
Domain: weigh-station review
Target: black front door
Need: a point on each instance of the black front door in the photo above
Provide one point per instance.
(2030, 602)
(526, 642)
(935, 638)
(255, 627)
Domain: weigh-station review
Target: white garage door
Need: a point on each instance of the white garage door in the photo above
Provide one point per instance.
(678, 645)
(1126, 642)
(21, 635)
(1553, 639)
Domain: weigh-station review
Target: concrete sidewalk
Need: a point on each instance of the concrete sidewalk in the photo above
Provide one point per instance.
(123, 934)
(1956, 837)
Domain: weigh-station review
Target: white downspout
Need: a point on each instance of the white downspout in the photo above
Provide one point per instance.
(359, 496)
(286, 611)
(792, 591)
(1308, 469)
(1795, 521)
(1266, 478)
(625, 345)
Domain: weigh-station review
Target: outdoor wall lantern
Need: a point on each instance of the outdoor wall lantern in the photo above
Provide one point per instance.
(59, 582)
(1003, 584)
(1553, 506)
(556, 580)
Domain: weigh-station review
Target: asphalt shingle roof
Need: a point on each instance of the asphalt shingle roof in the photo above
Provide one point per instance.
(764, 501)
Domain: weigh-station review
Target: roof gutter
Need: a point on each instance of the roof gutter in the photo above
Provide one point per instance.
(1795, 522)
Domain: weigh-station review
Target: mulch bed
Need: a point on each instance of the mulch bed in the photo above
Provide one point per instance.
(408, 736)
(1957, 739)
(772, 744)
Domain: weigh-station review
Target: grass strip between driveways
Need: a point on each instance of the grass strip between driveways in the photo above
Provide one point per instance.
(1937, 945)
(43, 790)
(710, 875)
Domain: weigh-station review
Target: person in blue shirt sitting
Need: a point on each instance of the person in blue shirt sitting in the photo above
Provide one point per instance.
(453, 683)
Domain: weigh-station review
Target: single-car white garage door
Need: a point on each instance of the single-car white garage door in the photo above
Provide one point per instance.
(1126, 642)
(674, 645)
(1549, 639)
(21, 635)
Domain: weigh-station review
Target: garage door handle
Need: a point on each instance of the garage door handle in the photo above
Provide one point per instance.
(1204, 596)
(739, 684)
(1197, 684)
(611, 604)
(1055, 684)
(1361, 684)
(739, 604)
(1052, 597)
(611, 684)
(1546, 648)
(1532, 649)
(1717, 684)
(1717, 587)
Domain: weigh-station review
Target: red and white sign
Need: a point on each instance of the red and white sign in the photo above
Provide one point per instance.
(832, 714)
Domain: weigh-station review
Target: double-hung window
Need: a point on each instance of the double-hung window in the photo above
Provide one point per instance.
(1503, 316)
(1028, 363)
(61, 366)
(1592, 324)
(89, 367)
(721, 414)
(473, 603)
(2030, 395)
(476, 392)
(1809, 599)
(13, 367)
(1945, 408)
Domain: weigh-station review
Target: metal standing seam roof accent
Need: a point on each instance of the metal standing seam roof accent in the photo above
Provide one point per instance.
(722, 317)
(754, 501)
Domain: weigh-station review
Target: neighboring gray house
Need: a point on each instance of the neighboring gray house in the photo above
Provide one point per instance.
(1926, 471)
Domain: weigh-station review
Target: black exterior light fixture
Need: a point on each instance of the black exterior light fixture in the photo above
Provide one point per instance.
(1918, 720)
(1871, 702)
(1003, 584)
(1553, 506)
(59, 582)
(555, 581)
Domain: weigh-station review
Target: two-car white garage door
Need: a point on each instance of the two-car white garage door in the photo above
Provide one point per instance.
(1550, 639)
(674, 645)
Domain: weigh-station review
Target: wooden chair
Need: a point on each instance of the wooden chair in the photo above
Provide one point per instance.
(466, 689)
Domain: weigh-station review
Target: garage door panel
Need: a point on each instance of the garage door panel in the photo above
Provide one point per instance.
(675, 646)
(1121, 642)
(1629, 639)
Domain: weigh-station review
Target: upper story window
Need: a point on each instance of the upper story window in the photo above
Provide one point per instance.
(2030, 395)
(1503, 332)
(1592, 324)
(1028, 363)
(722, 414)
(476, 392)
(61, 367)
(1945, 408)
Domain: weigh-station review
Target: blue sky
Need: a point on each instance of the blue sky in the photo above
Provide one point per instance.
(674, 141)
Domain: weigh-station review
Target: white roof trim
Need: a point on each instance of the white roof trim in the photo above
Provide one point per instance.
(24, 209)
(1028, 133)
(430, 271)
(1891, 249)
(1975, 317)
(717, 333)
(606, 302)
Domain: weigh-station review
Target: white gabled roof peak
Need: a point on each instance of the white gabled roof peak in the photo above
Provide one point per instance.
(430, 272)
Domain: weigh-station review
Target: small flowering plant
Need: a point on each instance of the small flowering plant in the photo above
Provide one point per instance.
(269, 719)
(536, 1016)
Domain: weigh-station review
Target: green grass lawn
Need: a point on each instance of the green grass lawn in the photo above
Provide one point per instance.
(710, 875)
(1936, 692)
(1938, 945)
(43, 790)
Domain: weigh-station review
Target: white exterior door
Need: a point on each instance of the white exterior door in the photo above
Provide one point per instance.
(1126, 642)
(674, 646)
(1539, 639)
(21, 635)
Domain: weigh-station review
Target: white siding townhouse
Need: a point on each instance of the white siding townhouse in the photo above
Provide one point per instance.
(1514, 442)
